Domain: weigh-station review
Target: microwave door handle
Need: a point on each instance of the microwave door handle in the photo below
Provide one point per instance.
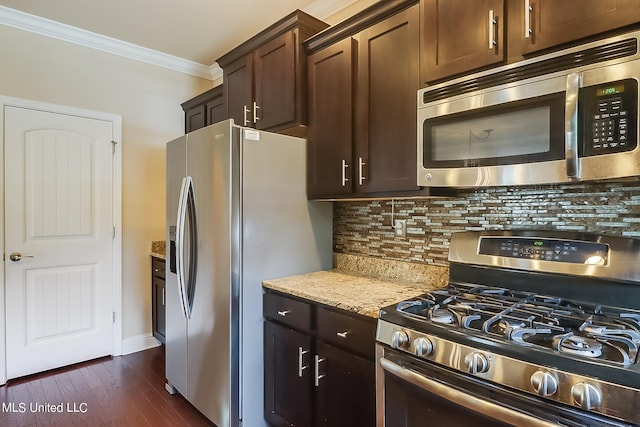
(571, 126)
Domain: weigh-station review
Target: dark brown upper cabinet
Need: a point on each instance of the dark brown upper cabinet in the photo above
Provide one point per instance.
(330, 132)
(549, 23)
(363, 78)
(388, 73)
(265, 77)
(461, 35)
(204, 109)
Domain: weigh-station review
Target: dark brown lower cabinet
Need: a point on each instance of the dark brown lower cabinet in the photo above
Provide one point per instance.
(287, 390)
(323, 376)
(345, 396)
(158, 298)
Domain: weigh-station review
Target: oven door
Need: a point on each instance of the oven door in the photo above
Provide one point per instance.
(411, 392)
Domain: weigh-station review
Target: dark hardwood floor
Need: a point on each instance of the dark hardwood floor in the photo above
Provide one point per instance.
(113, 391)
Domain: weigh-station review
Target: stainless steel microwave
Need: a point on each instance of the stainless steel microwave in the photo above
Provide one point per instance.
(567, 116)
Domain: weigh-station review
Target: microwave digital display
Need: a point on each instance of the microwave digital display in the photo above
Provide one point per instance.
(610, 90)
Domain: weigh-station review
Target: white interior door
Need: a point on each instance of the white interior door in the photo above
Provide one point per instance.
(59, 222)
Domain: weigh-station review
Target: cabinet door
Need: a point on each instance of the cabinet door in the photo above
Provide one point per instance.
(288, 371)
(345, 395)
(158, 312)
(215, 110)
(329, 143)
(386, 106)
(552, 22)
(275, 83)
(238, 91)
(194, 118)
(460, 36)
(158, 308)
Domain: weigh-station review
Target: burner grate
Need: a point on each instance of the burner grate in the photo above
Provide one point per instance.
(550, 323)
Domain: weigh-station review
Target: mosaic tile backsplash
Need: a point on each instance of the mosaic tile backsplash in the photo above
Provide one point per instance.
(364, 228)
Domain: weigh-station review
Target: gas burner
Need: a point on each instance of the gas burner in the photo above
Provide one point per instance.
(505, 326)
(502, 326)
(406, 306)
(441, 315)
(417, 308)
(581, 346)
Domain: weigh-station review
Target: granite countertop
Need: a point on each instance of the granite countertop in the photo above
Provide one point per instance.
(353, 291)
(158, 249)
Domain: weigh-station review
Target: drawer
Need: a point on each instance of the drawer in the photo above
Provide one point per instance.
(157, 267)
(290, 312)
(356, 334)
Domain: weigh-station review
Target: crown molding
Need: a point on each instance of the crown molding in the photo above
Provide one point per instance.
(48, 28)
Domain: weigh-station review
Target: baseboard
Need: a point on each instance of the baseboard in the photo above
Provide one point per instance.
(139, 343)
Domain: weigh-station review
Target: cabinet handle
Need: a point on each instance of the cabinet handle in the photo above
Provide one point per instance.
(492, 30)
(245, 121)
(527, 19)
(301, 366)
(317, 365)
(255, 112)
(361, 176)
(162, 296)
(342, 334)
(344, 173)
(283, 313)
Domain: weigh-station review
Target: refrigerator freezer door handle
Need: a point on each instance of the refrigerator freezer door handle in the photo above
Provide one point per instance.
(180, 226)
(190, 283)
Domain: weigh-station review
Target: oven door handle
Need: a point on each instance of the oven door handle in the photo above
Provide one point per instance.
(468, 401)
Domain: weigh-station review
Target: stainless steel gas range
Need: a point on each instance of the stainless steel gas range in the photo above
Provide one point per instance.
(535, 328)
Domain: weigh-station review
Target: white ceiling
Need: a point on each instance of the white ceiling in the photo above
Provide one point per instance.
(196, 30)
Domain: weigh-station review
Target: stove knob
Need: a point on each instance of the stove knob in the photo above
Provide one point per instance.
(400, 339)
(544, 383)
(423, 347)
(476, 363)
(586, 396)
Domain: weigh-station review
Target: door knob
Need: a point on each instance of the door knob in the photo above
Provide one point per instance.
(17, 256)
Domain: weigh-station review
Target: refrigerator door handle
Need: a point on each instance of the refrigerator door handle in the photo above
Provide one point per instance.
(180, 228)
(190, 282)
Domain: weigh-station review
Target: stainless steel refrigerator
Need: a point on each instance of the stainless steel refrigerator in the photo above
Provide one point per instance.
(237, 214)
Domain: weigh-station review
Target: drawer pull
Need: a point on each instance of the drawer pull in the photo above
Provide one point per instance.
(283, 313)
(342, 334)
(318, 376)
(301, 366)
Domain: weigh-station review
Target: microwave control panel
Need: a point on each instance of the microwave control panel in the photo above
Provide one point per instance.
(610, 116)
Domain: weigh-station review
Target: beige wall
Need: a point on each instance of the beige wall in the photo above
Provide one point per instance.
(349, 11)
(148, 99)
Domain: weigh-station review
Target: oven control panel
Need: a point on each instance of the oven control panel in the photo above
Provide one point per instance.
(575, 252)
